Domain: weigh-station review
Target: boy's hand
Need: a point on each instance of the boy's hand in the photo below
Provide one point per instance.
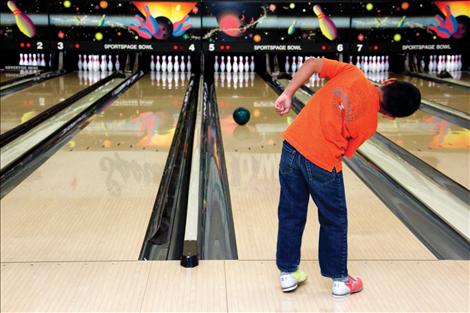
(283, 104)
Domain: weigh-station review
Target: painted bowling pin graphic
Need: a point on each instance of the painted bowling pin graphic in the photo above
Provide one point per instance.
(327, 27)
(23, 22)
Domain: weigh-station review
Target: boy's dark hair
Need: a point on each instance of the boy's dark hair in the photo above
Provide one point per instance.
(400, 98)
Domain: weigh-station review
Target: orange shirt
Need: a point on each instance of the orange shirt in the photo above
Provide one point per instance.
(337, 119)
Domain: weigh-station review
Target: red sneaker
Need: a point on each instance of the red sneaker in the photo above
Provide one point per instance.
(346, 288)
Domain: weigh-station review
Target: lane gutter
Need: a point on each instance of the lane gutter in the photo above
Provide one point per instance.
(164, 237)
(11, 88)
(17, 79)
(216, 228)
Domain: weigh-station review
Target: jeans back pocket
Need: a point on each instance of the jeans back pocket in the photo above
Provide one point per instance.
(319, 176)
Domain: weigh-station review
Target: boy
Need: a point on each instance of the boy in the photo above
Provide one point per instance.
(335, 122)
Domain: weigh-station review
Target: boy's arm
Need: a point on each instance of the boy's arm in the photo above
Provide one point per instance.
(310, 66)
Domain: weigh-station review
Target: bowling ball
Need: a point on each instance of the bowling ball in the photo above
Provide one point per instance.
(241, 116)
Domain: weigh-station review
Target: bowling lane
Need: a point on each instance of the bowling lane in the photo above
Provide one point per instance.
(93, 198)
(438, 142)
(18, 107)
(252, 155)
(446, 94)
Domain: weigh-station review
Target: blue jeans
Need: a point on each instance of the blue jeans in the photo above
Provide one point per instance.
(300, 178)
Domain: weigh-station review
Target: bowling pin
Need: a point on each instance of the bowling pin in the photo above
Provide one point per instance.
(294, 65)
(216, 64)
(241, 68)
(235, 65)
(21, 59)
(299, 62)
(176, 67)
(164, 64)
(104, 64)
(80, 62)
(247, 65)
(229, 64)
(359, 64)
(35, 62)
(252, 64)
(170, 64)
(110, 63)
(152, 63)
(448, 63)
(327, 26)
(286, 65)
(182, 68)
(222, 64)
(23, 22)
(43, 60)
(158, 65)
(365, 65)
(387, 65)
(117, 65)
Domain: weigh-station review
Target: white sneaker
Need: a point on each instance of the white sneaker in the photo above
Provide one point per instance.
(290, 281)
(341, 289)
